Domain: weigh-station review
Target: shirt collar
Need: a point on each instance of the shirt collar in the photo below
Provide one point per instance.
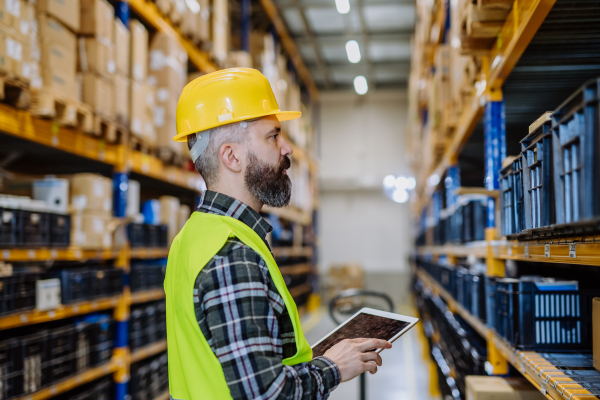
(221, 204)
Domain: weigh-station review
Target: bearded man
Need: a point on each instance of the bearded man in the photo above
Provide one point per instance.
(233, 330)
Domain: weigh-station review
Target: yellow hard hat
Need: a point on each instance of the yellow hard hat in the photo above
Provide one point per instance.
(223, 97)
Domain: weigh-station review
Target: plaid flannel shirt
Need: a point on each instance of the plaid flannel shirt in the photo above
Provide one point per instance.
(246, 323)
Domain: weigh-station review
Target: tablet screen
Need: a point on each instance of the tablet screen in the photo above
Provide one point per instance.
(362, 326)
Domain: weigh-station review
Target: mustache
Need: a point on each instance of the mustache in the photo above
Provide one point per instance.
(286, 163)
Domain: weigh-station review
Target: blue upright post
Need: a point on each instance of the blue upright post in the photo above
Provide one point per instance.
(122, 12)
(495, 152)
(246, 14)
(120, 186)
(452, 182)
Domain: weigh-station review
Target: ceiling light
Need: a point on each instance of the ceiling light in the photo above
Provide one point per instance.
(353, 51)
(433, 180)
(343, 6)
(400, 196)
(389, 181)
(412, 183)
(401, 183)
(360, 85)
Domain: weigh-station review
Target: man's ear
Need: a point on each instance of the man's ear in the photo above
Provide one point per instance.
(230, 156)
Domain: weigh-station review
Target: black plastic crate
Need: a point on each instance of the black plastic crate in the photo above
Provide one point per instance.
(454, 225)
(506, 308)
(76, 284)
(60, 230)
(137, 334)
(61, 353)
(11, 227)
(100, 337)
(151, 235)
(82, 346)
(17, 292)
(161, 316)
(36, 229)
(150, 324)
(146, 276)
(537, 178)
(136, 235)
(478, 307)
(106, 282)
(463, 288)
(576, 156)
(474, 218)
(33, 362)
(10, 372)
(490, 302)
(552, 319)
(507, 193)
(448, 279)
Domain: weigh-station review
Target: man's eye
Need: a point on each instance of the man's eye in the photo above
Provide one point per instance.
(275, 136)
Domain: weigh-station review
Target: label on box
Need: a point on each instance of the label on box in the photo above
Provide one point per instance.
(138, 72)
(526, 251)
(79, 202)
(98, 225)
(162, 95)
(572, 253)
(136, 126)
(111, 67)
(14, 49)
(13, 7)
(98, 188)
(547, 251)
(159, 116)
(107, 204)
(24, 27)
(106, 240)
(157, 60)
(47, 294)
(26, 70)
(7, 216)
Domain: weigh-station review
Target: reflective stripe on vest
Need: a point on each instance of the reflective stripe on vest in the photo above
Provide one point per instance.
(194, 370)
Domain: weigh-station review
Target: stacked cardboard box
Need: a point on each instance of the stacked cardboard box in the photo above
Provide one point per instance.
(168, 74)
(498, 388)
(141, 94)
(202, 34)
(169, 215)
(15, 53)
(97, 56)
(220, 30)
(57, 24)
(91, 203)
(121, 79)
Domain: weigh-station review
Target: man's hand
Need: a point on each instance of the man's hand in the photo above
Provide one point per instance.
(352, 356)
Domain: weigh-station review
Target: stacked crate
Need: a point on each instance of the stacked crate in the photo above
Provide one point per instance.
(97, 57)
(168, 75)
(58, 23)
(142, 94)
(15, 33)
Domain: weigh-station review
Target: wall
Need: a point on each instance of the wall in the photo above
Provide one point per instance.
(361, 142)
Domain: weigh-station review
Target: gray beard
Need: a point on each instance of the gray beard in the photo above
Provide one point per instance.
(268, 184)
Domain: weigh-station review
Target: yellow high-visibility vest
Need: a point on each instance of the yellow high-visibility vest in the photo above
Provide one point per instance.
(194, 370)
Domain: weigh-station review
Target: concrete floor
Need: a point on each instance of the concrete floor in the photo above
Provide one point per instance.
(404, 374)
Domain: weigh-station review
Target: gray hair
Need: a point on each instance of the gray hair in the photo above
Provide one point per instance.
(207, 164)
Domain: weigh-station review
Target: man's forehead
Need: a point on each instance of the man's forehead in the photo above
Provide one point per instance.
(267, 124)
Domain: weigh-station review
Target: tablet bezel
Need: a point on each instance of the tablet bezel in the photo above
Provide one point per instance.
(412, 321)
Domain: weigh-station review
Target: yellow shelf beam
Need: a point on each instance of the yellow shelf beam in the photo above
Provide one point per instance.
(544, 376)
(149, 13)
(75, 381)
(477, 249)
(50, 254)
(143, 252)
(151, 166)
(148, 351)
(64, 311)
(290, 47)
(148, 295)
(519, 28)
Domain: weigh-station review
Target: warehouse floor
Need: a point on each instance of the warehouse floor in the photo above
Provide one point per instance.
(404, 373)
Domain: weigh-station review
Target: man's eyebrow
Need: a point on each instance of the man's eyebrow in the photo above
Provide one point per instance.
(274, 130)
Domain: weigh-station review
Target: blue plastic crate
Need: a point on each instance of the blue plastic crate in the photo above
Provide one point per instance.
(536, 156)
(506, 304)
(490, 302)
(474, 211)
(576, 156)
(507, 208)
(463, 288)
(478, 306)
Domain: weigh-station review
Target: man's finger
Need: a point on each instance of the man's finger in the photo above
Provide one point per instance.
(374, 344)
(371, 356)
(369, 366)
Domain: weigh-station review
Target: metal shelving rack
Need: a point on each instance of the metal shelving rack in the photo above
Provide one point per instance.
(121, 159)
(518, 31)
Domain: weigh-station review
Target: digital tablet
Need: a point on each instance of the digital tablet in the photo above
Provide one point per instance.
(367, 323)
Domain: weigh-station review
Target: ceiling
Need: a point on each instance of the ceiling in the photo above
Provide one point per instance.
(381, 27)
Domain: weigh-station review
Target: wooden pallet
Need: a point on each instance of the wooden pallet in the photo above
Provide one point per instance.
(15, 92)
(64, 111)
(109, 129)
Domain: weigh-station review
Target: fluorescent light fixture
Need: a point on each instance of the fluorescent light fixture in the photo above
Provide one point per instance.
(343, 6)
(412, 183)
(193, 6)
(400, 196)
(401, 183)
(388, 181)
(353, 51)
(360, 85)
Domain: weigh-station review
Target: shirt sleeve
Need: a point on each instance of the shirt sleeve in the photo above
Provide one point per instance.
(237, 313)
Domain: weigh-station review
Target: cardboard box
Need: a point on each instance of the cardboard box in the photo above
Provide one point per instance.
(220, 29)
(169, 212)
(54, 192)
(121, 99)
(497, 388)
(596, 331)
(15, 14)
(14, 54)
(97, 18)
(141, 110)
(91, 192)
(203, 25)
(66, 11)
(97, 55)
(167, 63)
(98, 92)
(90, 230)
(122, 46)
(139, 51)
(189, 21)
(58, 70)
(182, 216)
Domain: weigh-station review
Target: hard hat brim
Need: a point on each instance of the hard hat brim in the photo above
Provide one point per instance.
(281, 116)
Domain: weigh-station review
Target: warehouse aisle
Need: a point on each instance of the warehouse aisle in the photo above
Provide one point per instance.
(404, 374)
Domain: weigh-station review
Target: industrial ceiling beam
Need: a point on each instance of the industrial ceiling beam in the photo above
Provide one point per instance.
(315, 44)
(364, 38)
